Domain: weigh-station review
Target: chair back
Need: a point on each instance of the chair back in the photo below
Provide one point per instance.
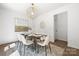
(46, 40)
(21, 38)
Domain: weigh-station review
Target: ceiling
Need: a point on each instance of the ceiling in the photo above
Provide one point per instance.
(42, 7)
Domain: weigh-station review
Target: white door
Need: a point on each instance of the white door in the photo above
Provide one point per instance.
(61, 26)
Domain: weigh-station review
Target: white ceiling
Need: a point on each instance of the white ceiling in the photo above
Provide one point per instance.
(42, 7)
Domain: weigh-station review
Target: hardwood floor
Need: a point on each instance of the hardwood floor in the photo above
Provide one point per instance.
(60, 43)
(5, 50)
(68, 51)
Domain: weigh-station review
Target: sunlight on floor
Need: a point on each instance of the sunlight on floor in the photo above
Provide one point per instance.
(16, 53)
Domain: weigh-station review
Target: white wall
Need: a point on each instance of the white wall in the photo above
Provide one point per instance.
(73, 23)
(48, 29)
(7, 24)
(73, 28)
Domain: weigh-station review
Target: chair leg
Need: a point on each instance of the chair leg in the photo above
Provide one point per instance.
(24, 50)
(45, 50)
(20, 47)
(17, 43)
(38, 49)
(50, 47)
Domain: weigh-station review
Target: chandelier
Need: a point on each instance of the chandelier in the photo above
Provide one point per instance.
(31, 11)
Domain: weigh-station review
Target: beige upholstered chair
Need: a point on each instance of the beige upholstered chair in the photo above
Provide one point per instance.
(45, 43)
(24, 40)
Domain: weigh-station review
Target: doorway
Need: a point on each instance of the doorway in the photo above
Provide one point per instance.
(60, 26)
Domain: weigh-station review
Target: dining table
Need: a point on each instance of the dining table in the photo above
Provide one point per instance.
(34, 37)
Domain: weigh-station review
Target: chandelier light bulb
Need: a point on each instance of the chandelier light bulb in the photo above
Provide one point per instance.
(32, 13)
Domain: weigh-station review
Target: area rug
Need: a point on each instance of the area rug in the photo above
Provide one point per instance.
(39, 51)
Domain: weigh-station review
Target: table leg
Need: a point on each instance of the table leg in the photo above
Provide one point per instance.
(35, 44)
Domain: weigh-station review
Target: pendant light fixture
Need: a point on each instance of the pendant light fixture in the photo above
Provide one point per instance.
(31, 11)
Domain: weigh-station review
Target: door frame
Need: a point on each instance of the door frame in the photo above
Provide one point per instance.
(67, 23)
